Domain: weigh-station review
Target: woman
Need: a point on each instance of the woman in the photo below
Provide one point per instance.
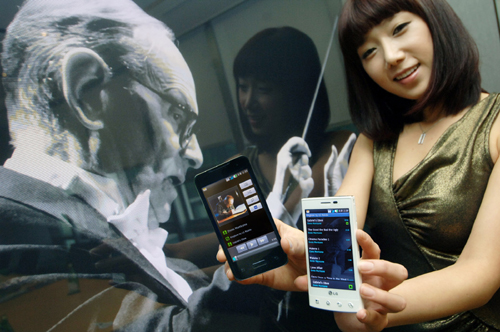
(428, 153)
(276, 74)
(424, 170)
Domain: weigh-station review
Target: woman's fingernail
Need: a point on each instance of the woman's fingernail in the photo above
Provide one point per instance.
(365, 266)
(290, 243)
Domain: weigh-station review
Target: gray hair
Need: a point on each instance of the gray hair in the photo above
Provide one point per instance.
(40, 35)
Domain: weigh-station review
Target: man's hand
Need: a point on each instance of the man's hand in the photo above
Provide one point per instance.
(379, 277)
(336, 166)
(290, 277)
(294, 156)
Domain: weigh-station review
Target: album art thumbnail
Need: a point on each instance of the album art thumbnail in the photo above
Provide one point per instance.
(228, 205)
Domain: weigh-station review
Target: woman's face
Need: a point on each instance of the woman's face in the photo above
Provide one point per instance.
(398, 53)
(264, 105)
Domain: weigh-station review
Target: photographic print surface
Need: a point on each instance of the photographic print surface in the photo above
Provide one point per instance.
(108, 109)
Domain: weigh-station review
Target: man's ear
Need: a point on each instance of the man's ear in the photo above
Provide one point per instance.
(83, 74)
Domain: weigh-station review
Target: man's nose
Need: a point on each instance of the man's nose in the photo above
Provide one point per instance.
(192, 155)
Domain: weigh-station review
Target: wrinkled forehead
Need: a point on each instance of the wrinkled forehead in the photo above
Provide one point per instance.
(163, 67)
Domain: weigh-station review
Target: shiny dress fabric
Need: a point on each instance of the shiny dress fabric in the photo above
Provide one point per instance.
(423, 219)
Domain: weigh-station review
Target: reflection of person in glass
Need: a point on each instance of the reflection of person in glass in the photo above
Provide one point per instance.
(100, 105)
(276, 74)
(335, 249)
(225, 208)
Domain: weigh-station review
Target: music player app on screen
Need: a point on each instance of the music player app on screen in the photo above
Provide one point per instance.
(330, 248)
(241, 220)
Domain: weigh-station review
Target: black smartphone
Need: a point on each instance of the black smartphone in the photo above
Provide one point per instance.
(241, 218)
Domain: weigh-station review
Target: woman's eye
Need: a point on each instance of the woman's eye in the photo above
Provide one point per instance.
(400, 28)
(367, 53)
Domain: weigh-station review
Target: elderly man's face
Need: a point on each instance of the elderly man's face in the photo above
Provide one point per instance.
(153, 115)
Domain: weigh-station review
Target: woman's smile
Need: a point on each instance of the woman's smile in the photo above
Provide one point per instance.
(406, 74)
(398, 55)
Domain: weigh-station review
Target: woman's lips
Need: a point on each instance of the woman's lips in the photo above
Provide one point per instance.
(406, 73)
(255, 121)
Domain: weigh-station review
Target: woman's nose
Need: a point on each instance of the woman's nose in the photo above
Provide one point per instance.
(393, 54)
(248, 98)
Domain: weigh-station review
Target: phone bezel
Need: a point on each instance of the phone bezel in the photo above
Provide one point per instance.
(244, 268)
(334, 299)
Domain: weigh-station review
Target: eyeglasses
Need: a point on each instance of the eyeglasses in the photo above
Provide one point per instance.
(186, 126)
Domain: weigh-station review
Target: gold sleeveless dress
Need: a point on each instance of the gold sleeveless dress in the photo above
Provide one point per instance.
(423, 219)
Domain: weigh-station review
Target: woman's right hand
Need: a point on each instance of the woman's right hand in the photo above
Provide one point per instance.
(379, 277)
(289, 277)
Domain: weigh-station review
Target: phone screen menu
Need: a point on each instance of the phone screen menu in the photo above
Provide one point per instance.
(241, 219)
(330, 248)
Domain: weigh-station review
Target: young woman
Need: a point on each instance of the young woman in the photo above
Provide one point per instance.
(424, 170)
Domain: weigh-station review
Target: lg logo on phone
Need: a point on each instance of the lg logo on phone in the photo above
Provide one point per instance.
(333, 293)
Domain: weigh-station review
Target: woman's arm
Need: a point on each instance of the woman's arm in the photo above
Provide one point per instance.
(471, 281)
(359, 176)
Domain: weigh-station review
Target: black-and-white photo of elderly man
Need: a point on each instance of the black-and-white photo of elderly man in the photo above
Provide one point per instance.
(101, 106)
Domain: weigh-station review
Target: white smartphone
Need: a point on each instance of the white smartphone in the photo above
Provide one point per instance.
(332, 253)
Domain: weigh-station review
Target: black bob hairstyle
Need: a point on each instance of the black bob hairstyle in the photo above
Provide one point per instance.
(455, 80)
(287, 57)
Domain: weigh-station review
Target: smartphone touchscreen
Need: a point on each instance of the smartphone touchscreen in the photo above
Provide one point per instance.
(332, 253)
(241, 218)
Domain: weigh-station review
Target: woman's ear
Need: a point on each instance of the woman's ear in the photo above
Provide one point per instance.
(84, 73)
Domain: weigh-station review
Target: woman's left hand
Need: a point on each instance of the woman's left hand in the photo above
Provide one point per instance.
(379, 277)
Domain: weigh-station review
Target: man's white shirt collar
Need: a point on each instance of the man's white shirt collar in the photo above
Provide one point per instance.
(102, 194)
